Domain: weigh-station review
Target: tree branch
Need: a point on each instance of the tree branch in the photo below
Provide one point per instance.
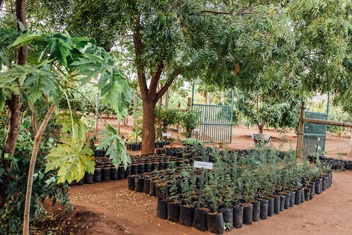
(238, 13)
(37, 139)
(155, 79)
(166, 86)
(137, 41)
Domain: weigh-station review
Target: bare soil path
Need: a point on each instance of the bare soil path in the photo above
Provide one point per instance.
(110, 208)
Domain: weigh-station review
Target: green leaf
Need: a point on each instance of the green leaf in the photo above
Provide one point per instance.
(79, 129)
(27, 38)
(115, 147)
(72, 160)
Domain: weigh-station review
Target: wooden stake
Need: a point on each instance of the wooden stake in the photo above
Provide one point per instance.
(300, 131)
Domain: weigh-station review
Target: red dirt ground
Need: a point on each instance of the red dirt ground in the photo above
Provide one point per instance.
(110, 208)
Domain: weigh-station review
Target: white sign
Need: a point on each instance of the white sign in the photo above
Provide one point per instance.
(196, 130)
(205, 165)
(167, 134)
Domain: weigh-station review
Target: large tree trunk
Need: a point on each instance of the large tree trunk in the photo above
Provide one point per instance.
(148, 132)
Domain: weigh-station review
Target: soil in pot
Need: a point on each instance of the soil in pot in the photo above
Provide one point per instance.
(187, 215)
(200, 219)
(238, 216)
(215, 222)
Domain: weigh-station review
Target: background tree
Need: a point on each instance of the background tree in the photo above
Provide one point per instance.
(58, 63)
(226, 43)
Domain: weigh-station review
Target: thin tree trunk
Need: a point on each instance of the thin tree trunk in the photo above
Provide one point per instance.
(350, 152)
(37, 139)
(148, 132)
(14, 104)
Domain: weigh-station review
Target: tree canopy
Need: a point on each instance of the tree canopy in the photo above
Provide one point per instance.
(227, 43)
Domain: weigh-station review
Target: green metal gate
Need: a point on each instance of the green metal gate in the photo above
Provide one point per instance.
(214, 123)
(314, 136)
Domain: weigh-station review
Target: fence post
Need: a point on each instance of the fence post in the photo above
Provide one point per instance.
(300, 131)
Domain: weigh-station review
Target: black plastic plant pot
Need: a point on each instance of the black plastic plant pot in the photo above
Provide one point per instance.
(228, 218)
(216, 222)
(139, 184)
(128, 171)
(161, 209)
(200, 219)
(141, 168)
(247, 213)
(287, 200)
(282, 202)
(264, 206)
(271, 206)
(146, 185)
(173, 211)
(89, 178)
(113, 175)
(238, 216)
(292, 198)
(318, 186)
(256, 211)
(97, 174)
(312, 190)
(81, 181)
(121, 172)
(276, 204)
(134, 169)
(106, 173)
(131, 182)
(306, 194)
(187, 215)
(302, 195)
(298, 197)
(148, 167)
(152, 189)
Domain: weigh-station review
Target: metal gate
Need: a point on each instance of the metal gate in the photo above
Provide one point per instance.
(214, 123)
(314, 136)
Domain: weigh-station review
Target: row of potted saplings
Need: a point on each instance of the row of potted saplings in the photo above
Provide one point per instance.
(339, 165)
(237, 191)
(106, 171)
(136, 146)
